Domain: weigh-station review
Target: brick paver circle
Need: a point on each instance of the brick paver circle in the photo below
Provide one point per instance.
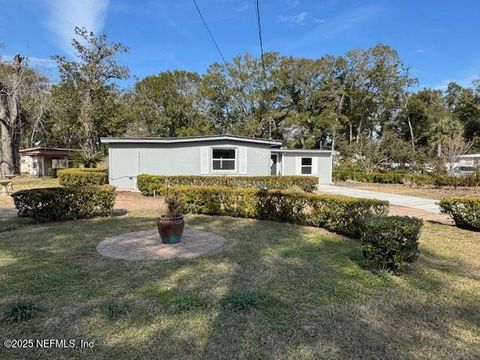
(146, 245)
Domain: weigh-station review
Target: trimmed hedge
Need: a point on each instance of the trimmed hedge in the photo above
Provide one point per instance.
(464, 211)
(82, 177)
(402, 177)
(341, 214)
(148, 184)
(390, 242)
(64, 203)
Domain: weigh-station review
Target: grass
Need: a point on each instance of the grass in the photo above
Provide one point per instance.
(27, 182)
(276, 291)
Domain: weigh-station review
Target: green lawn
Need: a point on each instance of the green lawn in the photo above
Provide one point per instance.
(275, 291)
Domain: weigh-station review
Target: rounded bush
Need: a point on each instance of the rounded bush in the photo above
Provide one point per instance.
(390, 242)
(82, 177)
(464, 211)
(63, 203)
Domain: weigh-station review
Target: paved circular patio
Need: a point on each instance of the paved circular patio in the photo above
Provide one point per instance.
(146, 245)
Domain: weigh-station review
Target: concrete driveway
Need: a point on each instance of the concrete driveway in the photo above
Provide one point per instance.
(428, 205)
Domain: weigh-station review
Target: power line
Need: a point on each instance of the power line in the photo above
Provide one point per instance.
(259, 26)
(210, 33)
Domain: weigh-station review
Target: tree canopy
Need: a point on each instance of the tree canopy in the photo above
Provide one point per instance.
(359, 103)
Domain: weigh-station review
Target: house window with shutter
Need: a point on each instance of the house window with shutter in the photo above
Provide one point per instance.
(224, 159)
(306, 166)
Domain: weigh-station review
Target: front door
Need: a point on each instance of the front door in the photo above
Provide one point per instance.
(274, 164)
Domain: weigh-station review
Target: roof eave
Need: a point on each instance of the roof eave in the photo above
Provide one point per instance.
(110, 140)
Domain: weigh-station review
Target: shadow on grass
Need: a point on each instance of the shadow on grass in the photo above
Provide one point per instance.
(275, 291)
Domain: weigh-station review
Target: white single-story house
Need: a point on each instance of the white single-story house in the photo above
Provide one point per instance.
(218, 155)
(469, 159)
(38, 161)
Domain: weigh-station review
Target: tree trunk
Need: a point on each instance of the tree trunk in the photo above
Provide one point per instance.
(10, 120)
(6, 167)
(359, 129)
(412, 139)
(87, 122)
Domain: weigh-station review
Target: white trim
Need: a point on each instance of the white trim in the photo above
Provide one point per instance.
(146, 140)
(277, 161)
(283, 164)
(302, 151)
(311, 166)
(315, 161)
(110, 166)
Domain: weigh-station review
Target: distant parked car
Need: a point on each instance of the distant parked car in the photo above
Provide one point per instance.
(463, 170)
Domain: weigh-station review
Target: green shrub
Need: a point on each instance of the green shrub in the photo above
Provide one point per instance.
(464, 211)
(340, 214)
(344, 173)
(390, 242)
(154, 184)
(62, 203)
(22, 309)
(82, 177)
(455, 181)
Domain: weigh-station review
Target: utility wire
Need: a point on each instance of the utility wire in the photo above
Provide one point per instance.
(259, 26)
(210, 33)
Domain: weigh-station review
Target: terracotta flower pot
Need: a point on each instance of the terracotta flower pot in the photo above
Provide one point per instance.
(171, 229)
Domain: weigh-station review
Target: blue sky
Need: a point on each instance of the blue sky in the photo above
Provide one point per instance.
(437, 39)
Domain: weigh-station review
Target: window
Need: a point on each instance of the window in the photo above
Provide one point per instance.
(306, 166)
(223, 159)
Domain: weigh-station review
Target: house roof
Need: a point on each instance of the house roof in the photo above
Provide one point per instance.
(470, 156)
(303, 151)
(46, 151)
(187, 139)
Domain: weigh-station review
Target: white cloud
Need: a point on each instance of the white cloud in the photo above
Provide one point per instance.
(64, 15)
(354, 18)
(465, 81)
(298, 19)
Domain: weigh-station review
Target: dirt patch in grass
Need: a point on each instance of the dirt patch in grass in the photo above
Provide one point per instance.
(424, 192)
(133, 201)
(425, 215)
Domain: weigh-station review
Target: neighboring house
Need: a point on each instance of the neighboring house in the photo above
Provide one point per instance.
(210, 155)
(469, 160)
(39, 160)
